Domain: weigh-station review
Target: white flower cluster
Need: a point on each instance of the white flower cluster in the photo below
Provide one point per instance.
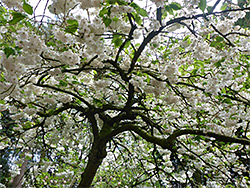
(13, 3)
(3, 29)
(62, 36)
(89, 28)
(237, 15)
(61, 6)
(85, 4)
(33, 44)
(64, 98)
(90, 37)
(170, 71)
(158, 3)
(13, 69)
(69, 58)
(154, 25)
(171, 99)
(224, 27)
(213, 86)
(116, 10)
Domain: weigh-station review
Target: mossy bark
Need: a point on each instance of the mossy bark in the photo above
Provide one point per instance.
(96, 156)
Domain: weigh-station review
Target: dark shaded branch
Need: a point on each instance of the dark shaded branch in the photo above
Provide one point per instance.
(167, 143)
(237, 33)
(229, 42)
(78, 70)
(150, 36)
(130, 37)
(131, 127)
(159, 15)
(65, 91)
(153, 33)
(121, 72)
(53, 112)
(235, 99)
(218, 137)
(189, 28)
(190, 85)
(215, 5)
(130, 98)
(94, 126)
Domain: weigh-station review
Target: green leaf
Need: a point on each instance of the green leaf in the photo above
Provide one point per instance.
(127, 44)
(121, 2)
(169, 9)
(97, 102)
(139, 10)
(27, 125)
(229, 186)
(219, 38)
(72, 22)
(164, 15)
(209, 9)
(175, 6)
(111, 1)
(218, 63)
(3, 20)
(62, 83)
(103, 11)
(115, 19)
(138, 19)
(9, 51)
(16, 17)
(203, 5)
(106, 21)
(117, 40)
(27, 8)
(228, 101)
(224, 6)
(72, 26)
(2, 10)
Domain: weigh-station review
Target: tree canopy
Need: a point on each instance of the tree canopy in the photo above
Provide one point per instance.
(124, 93)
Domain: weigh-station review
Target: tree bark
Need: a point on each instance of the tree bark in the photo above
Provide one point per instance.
(96, 156)
(17, 181)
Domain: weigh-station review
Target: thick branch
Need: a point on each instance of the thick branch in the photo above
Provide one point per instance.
(218, 137)
(141, 48)
(153, 139)
(96, 156)
(167, 143)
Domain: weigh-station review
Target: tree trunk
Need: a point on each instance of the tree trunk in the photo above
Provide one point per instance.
(17, 181)
(96, 156)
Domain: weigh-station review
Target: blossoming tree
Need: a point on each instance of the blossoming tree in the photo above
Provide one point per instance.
(125, 93)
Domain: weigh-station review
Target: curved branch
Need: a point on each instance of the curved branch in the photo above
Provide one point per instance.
(154, 33)
(130, 37)
(218, 137)
(78, 70)
(168, 142)
(65, 91)
(61, 109)
(144, 134)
